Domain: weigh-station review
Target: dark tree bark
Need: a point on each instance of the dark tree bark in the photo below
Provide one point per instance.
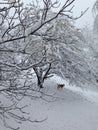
(42, 74)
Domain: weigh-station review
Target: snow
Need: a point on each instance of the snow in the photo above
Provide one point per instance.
(33, 28)
(70, 108)
(90, 95)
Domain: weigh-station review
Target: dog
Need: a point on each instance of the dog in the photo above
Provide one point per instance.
(60, 86)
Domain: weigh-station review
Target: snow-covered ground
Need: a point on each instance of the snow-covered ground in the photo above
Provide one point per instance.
(70, 108)
(90, 95)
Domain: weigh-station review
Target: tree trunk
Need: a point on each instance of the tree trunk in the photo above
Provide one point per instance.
(39, 82)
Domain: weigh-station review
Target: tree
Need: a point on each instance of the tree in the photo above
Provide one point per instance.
(21, 27)
(95, 11)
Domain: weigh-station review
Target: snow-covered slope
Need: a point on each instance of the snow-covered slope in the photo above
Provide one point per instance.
(70, 108)
(90, 95)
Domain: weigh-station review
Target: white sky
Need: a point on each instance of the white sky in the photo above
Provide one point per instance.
(87, 19)
(80, 5)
